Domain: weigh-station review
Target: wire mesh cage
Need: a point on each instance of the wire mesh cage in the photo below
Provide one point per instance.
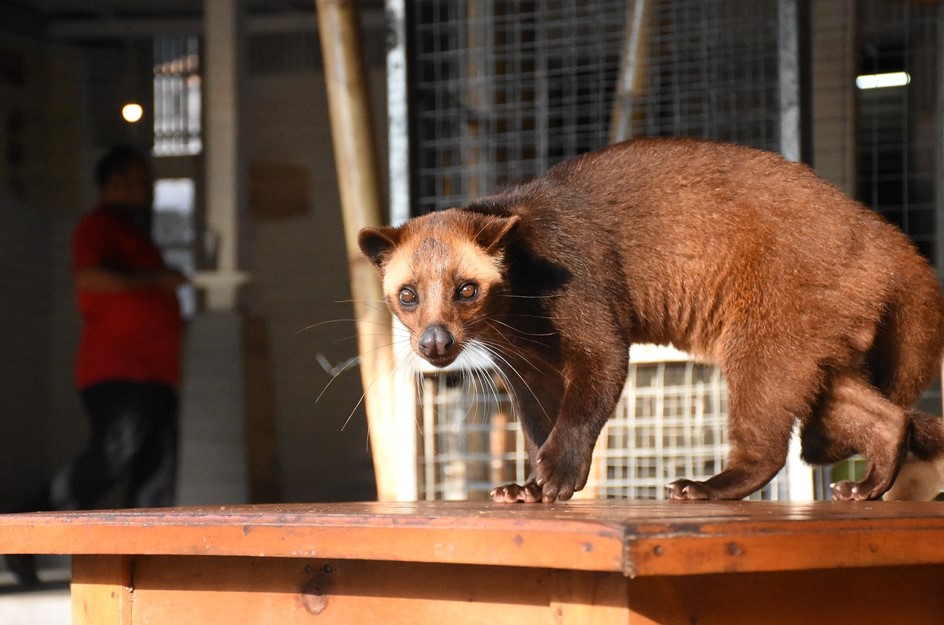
(471, 441)
(896, 135)
(670, 423)
(709, 70)
(502, 90)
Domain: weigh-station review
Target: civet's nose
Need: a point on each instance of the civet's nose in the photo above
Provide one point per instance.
(436, 342)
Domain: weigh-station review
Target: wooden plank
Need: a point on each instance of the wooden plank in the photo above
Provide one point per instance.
(101, 590)
(358, 531)
(891, 595)
(791, 537)
(784, 551)
(633, 538)
(588, 599)
(284, 591)
(461, 563)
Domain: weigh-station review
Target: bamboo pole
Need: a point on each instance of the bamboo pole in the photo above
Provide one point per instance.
(356, 160)
(632, 64)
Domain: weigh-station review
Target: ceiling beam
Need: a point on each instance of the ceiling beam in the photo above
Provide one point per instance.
(125, 28)
(131, 28)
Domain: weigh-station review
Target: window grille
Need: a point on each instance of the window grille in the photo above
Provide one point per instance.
(177, 96)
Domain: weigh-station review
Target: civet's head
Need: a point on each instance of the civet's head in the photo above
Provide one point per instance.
(440, 272)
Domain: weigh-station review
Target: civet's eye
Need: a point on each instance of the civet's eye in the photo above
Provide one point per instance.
(408, 297)
(468, 291)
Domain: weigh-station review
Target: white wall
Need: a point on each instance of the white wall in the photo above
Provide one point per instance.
(299, 279)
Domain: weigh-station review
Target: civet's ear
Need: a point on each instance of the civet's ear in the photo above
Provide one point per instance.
(494, 232)
(378, 244)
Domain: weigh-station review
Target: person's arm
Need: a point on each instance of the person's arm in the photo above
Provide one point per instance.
(112, 281)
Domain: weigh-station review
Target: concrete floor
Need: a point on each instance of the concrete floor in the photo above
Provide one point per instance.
(47, 604)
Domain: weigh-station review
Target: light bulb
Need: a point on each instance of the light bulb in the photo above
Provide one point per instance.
(132, 112)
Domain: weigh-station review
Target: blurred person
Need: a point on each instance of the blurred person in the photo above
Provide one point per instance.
(128, 364)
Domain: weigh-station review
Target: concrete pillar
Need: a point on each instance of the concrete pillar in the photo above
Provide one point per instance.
(213, 468)
(226, 189)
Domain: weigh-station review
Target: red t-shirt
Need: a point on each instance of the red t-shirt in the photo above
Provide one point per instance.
(127, 335)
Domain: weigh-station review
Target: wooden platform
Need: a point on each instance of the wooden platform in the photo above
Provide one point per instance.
(454, 563)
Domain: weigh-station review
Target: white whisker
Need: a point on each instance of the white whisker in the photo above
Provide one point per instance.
(321, 323)
(393, 365)
(350, 365)
(494, 352)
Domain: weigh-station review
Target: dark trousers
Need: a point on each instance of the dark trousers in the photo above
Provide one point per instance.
(133, 437)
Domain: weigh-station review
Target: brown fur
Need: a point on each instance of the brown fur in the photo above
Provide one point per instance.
(817, 310)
